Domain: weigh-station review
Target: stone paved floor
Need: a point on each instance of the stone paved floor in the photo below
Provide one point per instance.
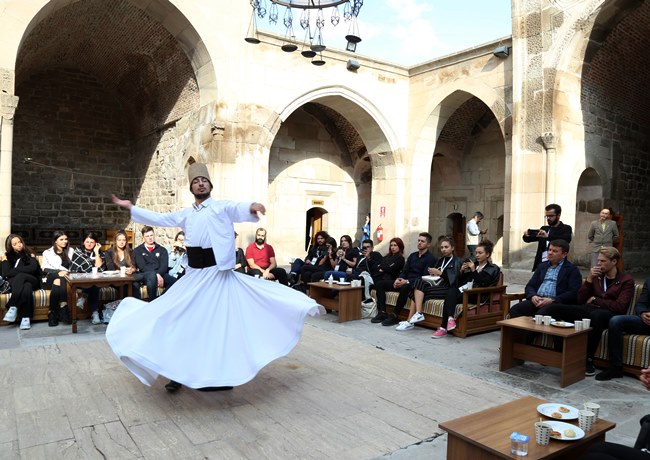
(348, 391)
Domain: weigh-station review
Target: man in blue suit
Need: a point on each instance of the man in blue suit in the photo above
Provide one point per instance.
(555, 281)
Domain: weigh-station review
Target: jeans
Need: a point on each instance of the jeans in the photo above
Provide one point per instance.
(619, 325)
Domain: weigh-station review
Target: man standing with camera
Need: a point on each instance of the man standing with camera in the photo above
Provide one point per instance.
(555, 230)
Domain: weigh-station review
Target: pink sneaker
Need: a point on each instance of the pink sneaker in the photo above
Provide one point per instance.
(451, 324)
(440, 333)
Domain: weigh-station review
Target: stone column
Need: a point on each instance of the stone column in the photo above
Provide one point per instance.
(8, 104)
(549, 142)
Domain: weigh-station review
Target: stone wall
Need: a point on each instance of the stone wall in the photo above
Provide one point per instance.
(69, 124)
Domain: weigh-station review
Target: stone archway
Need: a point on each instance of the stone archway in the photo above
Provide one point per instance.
(589, 201)
(328, 151)
(98, 112)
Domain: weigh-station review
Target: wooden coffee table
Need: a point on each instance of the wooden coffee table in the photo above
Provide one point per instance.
(514, 350)
(86, 280)
(486, 434)
(347, 303)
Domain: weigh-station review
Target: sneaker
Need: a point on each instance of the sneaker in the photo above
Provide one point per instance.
(440, 333)
(215, 388)
(11, 314)
(451, 324)
(95, 318)
(589, 368)
(416, 318)
(172, 386)
(52, 320)
(80, 302)
(404, 326)
(379, 317)
(390, 320)
(610, 373)
(24, 324)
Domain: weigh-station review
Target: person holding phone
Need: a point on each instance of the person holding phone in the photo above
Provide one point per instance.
(555, 230)
(84, 259)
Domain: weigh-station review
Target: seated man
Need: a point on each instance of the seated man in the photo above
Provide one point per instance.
(555, 281)
(414, 269)
(152, 261)
(261, 259)
(369, 262)
(301, 271)
(622, 324)
(605, 293)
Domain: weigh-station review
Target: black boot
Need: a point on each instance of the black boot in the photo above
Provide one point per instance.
(64, 314)
(172, 386)
(52, 320)
(214, 388)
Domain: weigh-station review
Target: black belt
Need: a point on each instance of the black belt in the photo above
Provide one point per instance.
(200, 257)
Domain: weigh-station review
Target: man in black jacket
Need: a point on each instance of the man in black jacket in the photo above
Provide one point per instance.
(555, 230)
(152, 261)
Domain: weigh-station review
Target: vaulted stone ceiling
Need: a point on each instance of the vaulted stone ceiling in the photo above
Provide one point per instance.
(134, 57)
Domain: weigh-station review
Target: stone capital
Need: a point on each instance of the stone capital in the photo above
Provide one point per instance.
(548, 140)
(8, 104)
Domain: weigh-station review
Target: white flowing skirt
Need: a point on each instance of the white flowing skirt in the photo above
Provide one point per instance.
(211, 328)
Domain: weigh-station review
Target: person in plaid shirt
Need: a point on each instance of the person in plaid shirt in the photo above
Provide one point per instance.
(84, 259)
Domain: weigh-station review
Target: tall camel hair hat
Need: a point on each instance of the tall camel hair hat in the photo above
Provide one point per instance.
(198, 170)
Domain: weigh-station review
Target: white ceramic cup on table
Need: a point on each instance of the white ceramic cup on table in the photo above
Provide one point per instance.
(547, 320)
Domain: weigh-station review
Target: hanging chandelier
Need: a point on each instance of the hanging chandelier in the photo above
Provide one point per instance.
(312, 22)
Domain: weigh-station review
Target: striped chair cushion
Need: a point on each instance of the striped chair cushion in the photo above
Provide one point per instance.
(41, 299)
(432, 306)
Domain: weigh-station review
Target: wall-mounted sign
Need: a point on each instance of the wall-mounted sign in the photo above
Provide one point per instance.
(382, 211)
(317, 202)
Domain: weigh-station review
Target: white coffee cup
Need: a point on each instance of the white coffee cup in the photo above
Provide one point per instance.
(341, 280)
(593, 407)
(539, 319)
(95, 271)
(542, 433)
(578, 325)
(586, 419)
(547, 320)
(586, 323)
(122, 271)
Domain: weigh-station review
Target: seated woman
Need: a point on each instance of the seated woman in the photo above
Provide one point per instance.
(482, 273)
(446, 273)
(393, 262)
(121, 255)
(178, 256)
(84, 259)
(22, 271)
(342, 261)
(56, 264)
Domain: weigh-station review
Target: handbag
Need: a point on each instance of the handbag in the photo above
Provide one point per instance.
(369, 308)
(109, 309)
(433, 280)
(5, 287)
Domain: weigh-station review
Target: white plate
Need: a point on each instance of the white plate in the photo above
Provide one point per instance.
(110, 272)
(561, 324)
(561, 426)
(550, 408)
(343, 282)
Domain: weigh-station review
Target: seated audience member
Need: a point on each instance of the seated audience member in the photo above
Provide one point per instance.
(84, 259)
(316, 256)
(56, 264)
(415, 267)
(241, 265)
(446, 272)
(392, 263)
(120, 255)
(178, 256)
(342, 261)
(260, 257)
(606, 292)
(22, 271)
(480, 273)
(367, 267)
(555, 281)
(153, 262)
(625, 324)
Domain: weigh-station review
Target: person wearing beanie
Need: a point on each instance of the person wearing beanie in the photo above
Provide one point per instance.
(215, 328)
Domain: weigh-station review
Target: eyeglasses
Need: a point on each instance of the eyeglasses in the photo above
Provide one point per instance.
(550, 215)
(366, 247)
